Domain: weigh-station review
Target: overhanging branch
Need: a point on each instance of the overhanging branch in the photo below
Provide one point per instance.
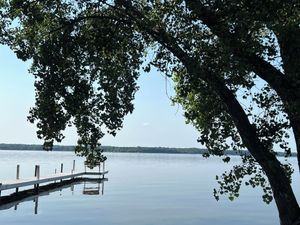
(276, 79)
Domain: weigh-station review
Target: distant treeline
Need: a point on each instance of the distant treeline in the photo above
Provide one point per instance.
(138, 149)
(34, 147)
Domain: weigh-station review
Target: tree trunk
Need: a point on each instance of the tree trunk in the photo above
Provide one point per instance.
(285, 199)
(297, 222)
(296, 131)
(289, 42)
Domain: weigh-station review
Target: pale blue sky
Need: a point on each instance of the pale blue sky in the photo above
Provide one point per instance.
(154, 121)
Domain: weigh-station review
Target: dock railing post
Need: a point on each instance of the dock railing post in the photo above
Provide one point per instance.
(61, 169)
(38, 172)
(35, 174)
(35, 170)
(18, 175)
(103, 169)
(38, 175)
(18, 172)
(73, 166)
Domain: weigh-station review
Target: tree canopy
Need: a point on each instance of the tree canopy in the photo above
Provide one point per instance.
(235, 65)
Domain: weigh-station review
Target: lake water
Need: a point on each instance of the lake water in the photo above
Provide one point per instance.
(142, 189)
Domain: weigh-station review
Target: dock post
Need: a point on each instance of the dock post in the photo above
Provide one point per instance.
(38, 175)
(61, 169)
(18, 172)
(103, 169)
(38, 172)
(73, 165)
(0, 189)
(35, 174)
(18, 175)
(35, 170)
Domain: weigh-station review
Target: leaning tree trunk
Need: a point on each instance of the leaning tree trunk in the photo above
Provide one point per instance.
(287, 205)
(285, 199)
(296, 130)
(289, 41)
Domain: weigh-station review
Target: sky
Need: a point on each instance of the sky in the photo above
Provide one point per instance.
(154, 122)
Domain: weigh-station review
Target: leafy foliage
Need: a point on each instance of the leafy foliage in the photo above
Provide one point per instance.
(85, 72)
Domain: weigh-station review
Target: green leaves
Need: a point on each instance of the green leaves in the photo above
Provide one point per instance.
(86, 63)
(249, 173)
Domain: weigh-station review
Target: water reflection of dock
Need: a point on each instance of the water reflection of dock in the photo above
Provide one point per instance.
(16, 198)
(92, 190)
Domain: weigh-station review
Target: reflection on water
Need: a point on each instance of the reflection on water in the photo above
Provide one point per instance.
(91, 186)
(94, 190)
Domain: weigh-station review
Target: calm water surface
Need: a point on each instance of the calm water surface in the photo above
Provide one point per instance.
(142, 189)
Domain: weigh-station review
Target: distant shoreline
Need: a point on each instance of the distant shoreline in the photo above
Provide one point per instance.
(69, 148)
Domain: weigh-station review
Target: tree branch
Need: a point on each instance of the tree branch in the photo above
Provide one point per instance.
(276, 79)
(284, 84)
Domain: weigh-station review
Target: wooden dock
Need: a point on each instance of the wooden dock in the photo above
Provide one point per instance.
(6, 185)
(37, 179)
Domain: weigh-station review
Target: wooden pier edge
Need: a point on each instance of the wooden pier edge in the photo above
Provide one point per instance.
(39, 180)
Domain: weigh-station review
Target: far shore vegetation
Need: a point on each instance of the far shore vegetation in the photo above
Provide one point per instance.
(138, 149)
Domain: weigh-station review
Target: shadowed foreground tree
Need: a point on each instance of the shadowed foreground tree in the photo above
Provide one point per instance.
(235, 65)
